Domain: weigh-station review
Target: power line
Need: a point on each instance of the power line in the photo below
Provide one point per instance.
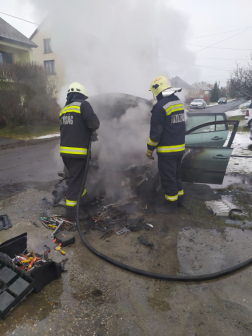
(229, 59)
(222, 40)
(216, 76)
(219, 33)
(19, 18)
(196, 45)
(201, 66)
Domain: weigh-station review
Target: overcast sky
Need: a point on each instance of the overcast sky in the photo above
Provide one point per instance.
(205, 18)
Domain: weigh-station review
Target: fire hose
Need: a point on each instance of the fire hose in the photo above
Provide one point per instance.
(167, 277)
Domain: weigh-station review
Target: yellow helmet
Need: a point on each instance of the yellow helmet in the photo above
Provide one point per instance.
(77, 87)
(159, 84)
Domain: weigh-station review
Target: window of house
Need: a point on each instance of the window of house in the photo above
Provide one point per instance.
(6, 57)
(47, 46)
(50, 66)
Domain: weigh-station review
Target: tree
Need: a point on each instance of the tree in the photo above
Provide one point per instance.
(223, 92)
(231, 89)
(215, 94)
(241, 82)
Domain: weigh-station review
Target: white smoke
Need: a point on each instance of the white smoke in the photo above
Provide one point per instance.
(124, 139)
(117, 46)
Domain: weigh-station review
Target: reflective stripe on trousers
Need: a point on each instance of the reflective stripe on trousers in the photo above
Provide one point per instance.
(174, 198)
(74, 203)
(73, 150)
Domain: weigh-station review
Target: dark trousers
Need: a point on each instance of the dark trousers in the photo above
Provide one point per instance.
(168, 166)
(76, 169)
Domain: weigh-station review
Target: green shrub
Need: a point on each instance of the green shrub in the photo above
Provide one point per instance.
(27, 95)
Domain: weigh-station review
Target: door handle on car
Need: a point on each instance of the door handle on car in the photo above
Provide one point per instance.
(220, 157)
(216, 138)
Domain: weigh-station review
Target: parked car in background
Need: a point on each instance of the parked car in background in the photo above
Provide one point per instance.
(248, 115)
(198, 103)
(222, 100)
(250, 133)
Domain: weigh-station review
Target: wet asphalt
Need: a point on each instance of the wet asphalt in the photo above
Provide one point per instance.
(96, 298)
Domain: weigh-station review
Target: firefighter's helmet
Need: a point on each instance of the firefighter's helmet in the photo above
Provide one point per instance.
(159, 84)
(77, 87)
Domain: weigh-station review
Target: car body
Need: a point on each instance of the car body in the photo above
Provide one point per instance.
(222, 100)
(198, 103)
(208, 148)
(248, 116)
(208, 139)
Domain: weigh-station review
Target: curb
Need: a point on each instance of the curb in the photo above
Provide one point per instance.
(24, 143)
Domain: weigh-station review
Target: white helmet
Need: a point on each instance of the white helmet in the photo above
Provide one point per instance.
(77, 87)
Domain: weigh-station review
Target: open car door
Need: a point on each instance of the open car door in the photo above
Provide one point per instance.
(206, 162)
(214, 135)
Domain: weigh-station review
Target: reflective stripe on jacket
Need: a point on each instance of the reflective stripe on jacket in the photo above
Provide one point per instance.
(77, 121)
(167, 129)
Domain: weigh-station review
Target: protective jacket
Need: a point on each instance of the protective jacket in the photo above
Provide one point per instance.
(77, 122)
(167, 129)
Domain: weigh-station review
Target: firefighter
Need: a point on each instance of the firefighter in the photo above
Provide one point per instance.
(167, 136)
(77, 122)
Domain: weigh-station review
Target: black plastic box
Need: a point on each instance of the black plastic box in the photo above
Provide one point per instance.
(15, 285)
(65, 238)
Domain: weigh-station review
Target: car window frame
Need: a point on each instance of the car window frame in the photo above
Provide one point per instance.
(235, 123)
(211, 114)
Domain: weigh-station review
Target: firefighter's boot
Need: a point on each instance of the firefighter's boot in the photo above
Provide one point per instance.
(71, 214)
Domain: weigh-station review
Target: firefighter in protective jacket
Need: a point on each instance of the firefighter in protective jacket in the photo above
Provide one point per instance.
(77, 122)
(167, 136)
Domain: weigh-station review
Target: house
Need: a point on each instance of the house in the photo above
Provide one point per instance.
(14, 46)
(45, 55)
(200, 90)
(180, 83)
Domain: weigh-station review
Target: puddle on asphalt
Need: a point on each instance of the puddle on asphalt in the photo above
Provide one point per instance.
(244, 224)
(204, 251)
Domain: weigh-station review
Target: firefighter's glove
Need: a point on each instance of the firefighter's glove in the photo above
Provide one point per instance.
(149, 154)
(94, 137)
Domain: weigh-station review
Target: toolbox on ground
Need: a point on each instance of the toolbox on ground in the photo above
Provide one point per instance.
(15, 285)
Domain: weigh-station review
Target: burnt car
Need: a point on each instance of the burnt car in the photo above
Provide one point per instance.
(208, 138)
(124, 133)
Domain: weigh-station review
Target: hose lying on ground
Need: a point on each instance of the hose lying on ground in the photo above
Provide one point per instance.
(114, 262)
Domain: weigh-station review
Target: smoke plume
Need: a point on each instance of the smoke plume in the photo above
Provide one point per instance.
(116, 46)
